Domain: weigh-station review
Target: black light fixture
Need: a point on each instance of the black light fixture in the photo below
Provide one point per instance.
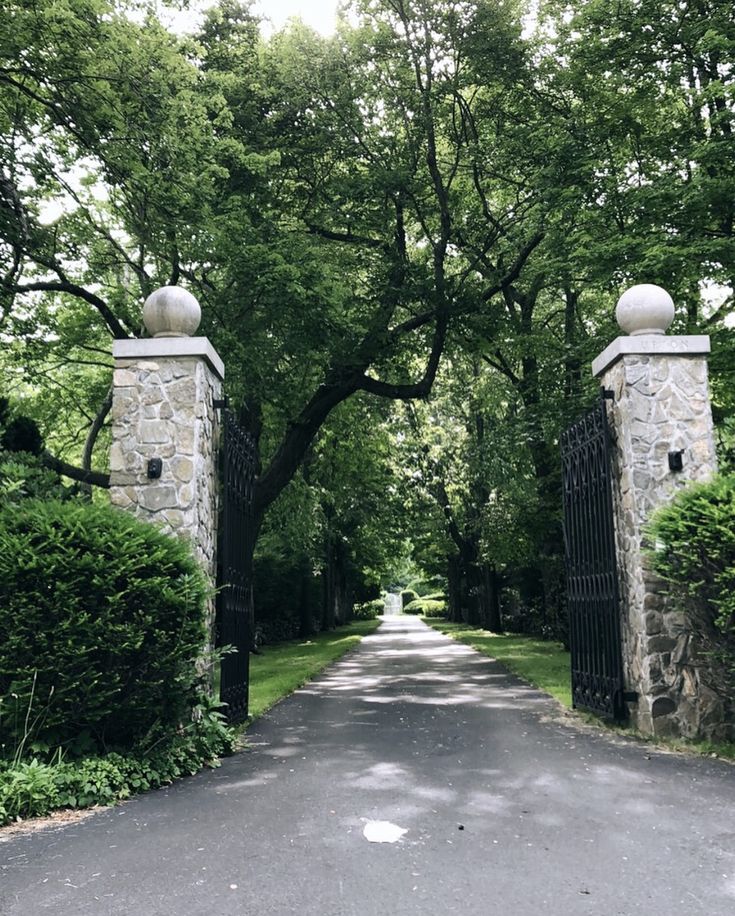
(676, 460)
(155, 466)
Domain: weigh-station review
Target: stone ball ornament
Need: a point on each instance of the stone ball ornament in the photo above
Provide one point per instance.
(645, 309)
(171, 312)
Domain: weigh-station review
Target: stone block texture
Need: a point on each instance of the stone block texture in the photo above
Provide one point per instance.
(164, 408)
(661, 405)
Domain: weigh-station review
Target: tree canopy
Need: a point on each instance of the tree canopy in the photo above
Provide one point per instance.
(407, 239)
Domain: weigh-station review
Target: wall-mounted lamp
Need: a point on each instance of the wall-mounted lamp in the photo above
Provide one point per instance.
(676, 460)
(155, 466)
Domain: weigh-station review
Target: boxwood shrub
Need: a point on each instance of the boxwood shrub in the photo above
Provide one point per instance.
(407, 596)
(368, 610)
(427, 607)
(102, 619)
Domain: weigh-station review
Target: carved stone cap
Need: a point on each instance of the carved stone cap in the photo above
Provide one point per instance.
(171, 312)
(170, 349)
(645, 309)
(650, 345)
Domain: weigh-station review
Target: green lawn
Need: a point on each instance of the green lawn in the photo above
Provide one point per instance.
(541, 663)
(284, 667)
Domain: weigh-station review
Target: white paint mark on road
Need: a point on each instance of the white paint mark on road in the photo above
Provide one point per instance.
(383, 832)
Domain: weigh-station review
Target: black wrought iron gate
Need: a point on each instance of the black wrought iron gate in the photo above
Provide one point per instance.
(591, 565)
(235, 585)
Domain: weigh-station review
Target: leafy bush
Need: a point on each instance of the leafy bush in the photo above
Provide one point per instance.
(102, 619)
(34, 789)
(368, 610)
(22, 474)
(695, 552)
(434, 607)
(18, 433)
(407, 596)
(427, 607)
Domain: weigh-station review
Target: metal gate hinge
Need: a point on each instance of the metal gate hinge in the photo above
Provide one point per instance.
(608, 394)
(219, 403)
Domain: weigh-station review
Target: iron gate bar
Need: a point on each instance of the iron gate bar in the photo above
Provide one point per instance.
(591, 565)
(235, 581)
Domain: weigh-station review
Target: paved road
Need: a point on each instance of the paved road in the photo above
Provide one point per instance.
(506, 811)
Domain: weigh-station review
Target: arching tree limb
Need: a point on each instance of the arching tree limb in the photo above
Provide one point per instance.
(92, 435)
(95, 478)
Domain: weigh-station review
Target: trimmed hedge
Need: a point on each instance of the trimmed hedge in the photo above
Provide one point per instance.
(407, 596)
(369, 610)
(695, 552)
(427, 607)
(102, 620)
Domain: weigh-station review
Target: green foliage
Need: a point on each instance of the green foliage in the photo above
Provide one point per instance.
(694, 539)
(101, 624)
(31, 788)
(407, 596)
(328, 199)
(22, 476)
(22, 435)
(368, 610)
(427, 607)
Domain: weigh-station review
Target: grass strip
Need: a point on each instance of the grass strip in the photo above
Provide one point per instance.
(543, 663)
(284, 667)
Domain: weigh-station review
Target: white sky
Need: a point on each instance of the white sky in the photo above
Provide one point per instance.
(319, 14)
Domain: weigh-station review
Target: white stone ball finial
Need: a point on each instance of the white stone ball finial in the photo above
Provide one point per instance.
(645, 309)
(171, 312)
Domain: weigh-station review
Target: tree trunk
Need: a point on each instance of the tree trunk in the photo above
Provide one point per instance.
(491, 599)
(329, 587)
(306, 624)
(454, 579)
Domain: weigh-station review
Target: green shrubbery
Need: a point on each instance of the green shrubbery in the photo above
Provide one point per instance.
(101, 621)
(22, 474)
(102, 629)
(695, 552)
(32, 788)
(368, 610)
(407, 596)
(431, 606)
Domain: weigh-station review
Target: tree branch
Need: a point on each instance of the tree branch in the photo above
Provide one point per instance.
(65, 286)
(516, 267)
(348, 238)
(95, 478)
(421, 388)
(92, 435)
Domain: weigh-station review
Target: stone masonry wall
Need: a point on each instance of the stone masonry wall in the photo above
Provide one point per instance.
(661, 405)
(163, 408)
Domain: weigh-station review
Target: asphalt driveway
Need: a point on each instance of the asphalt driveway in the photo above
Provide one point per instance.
(505, 809)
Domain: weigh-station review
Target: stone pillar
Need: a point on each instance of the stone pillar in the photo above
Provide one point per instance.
(163, 461)
(664, 439)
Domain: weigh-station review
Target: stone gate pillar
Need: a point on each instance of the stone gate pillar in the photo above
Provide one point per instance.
(663, 432)
(164, 423)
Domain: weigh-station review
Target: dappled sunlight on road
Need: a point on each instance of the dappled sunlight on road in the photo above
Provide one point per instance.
(416, 724)
(416, 776)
